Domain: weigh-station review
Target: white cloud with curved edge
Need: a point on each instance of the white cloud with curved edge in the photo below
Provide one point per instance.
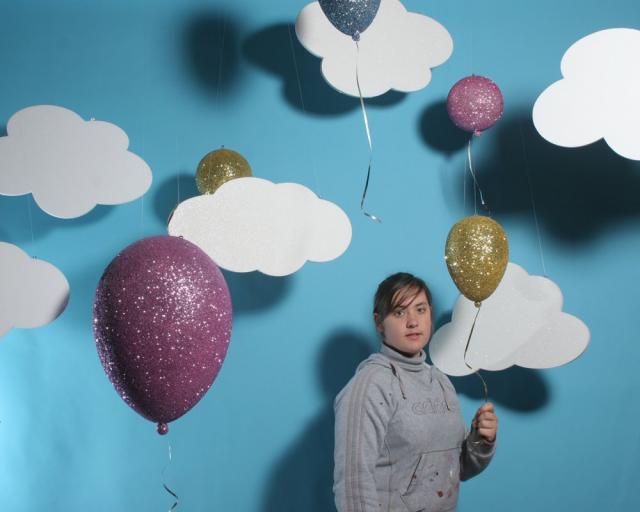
(253, 224)
(521, 323)
(33, 292)
(599, 96)
(69, 165)
(397, 51)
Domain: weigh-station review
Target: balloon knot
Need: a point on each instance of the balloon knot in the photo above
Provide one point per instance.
(477, 133)
(477, 304)
(163, 428)
(356, 36)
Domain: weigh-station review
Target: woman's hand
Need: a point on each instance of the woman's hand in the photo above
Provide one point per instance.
(486, 422)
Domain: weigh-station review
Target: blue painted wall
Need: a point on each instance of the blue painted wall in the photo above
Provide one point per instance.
(261, 439)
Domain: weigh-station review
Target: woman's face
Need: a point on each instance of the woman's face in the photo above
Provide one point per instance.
(408, 327)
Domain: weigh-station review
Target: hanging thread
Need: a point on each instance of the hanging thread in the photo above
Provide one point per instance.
(30, 217)
(221, 55)
(532, 199)
(302, 105)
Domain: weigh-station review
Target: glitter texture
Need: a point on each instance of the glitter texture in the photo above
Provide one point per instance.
(475, 103)
(477, 253)
(162, 324)
(218, 167)
(351, 17)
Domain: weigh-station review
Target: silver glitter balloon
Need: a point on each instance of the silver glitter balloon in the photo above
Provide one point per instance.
(351, 17)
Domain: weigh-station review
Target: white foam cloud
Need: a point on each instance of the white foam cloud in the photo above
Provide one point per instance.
(521, 323)
(33, 292)
(253, 224)
(599, 96)
(397, 51)
(68, 164)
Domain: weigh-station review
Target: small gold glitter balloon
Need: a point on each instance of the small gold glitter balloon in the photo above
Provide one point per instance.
(477, 253)
(218, 167)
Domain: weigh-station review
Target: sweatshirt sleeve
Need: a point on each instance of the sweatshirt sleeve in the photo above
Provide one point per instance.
(362, 412)
(475, 455)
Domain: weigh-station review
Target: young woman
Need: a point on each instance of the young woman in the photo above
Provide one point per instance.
(400, 440)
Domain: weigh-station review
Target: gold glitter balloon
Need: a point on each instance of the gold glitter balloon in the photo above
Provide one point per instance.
(218, 167)
(477, 254)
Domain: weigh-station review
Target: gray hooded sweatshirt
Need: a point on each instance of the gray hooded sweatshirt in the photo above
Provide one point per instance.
(400, 440)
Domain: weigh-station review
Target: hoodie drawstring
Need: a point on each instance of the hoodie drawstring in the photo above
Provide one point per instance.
(395, 372)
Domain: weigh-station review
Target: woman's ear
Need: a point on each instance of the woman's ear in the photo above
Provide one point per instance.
(379, 326)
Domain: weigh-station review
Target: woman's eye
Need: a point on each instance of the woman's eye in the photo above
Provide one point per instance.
(399, 312)
(422, 310)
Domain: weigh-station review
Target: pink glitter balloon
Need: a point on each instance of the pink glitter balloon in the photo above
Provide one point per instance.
(162, 323)
(475, 103)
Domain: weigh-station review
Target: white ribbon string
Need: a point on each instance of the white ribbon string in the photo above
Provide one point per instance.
(466, 348)
(166, 487)
(366, 127)
(475, 181)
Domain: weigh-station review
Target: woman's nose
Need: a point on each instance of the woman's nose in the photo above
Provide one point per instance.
(412, 321)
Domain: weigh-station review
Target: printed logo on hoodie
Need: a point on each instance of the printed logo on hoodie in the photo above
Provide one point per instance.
(430, 406)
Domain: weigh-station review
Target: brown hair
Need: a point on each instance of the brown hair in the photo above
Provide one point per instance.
(389, 294)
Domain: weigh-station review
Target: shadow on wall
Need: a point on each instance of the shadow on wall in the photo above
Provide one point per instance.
(516, 388)
(23, 220)
(212, 48)
(579, 192)
(438, 132)
(273, 49)
(253, 291)
(303, 477)
(171, 192)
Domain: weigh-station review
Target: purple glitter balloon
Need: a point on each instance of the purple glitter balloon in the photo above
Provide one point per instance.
(475, 103)
(162, 323)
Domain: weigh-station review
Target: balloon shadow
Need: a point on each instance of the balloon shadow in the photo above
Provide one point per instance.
(212, 46)
(171, 192)
(578, 192)
(438, 132)
(302, 479)
(276, 50)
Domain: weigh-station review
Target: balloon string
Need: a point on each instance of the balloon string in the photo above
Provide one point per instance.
(366, 127)
(166, 488)
(475, 181)
(304, 110)
(464, 189)
(466, 349)
(533, 201)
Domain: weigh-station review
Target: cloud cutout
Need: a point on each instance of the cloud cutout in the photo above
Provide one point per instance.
(599, 96)
(253, 224)
(521, 324)
(397, 51)
(69, 165)
(33, 292)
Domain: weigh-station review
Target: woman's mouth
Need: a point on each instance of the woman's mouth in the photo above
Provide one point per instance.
(413, 335)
